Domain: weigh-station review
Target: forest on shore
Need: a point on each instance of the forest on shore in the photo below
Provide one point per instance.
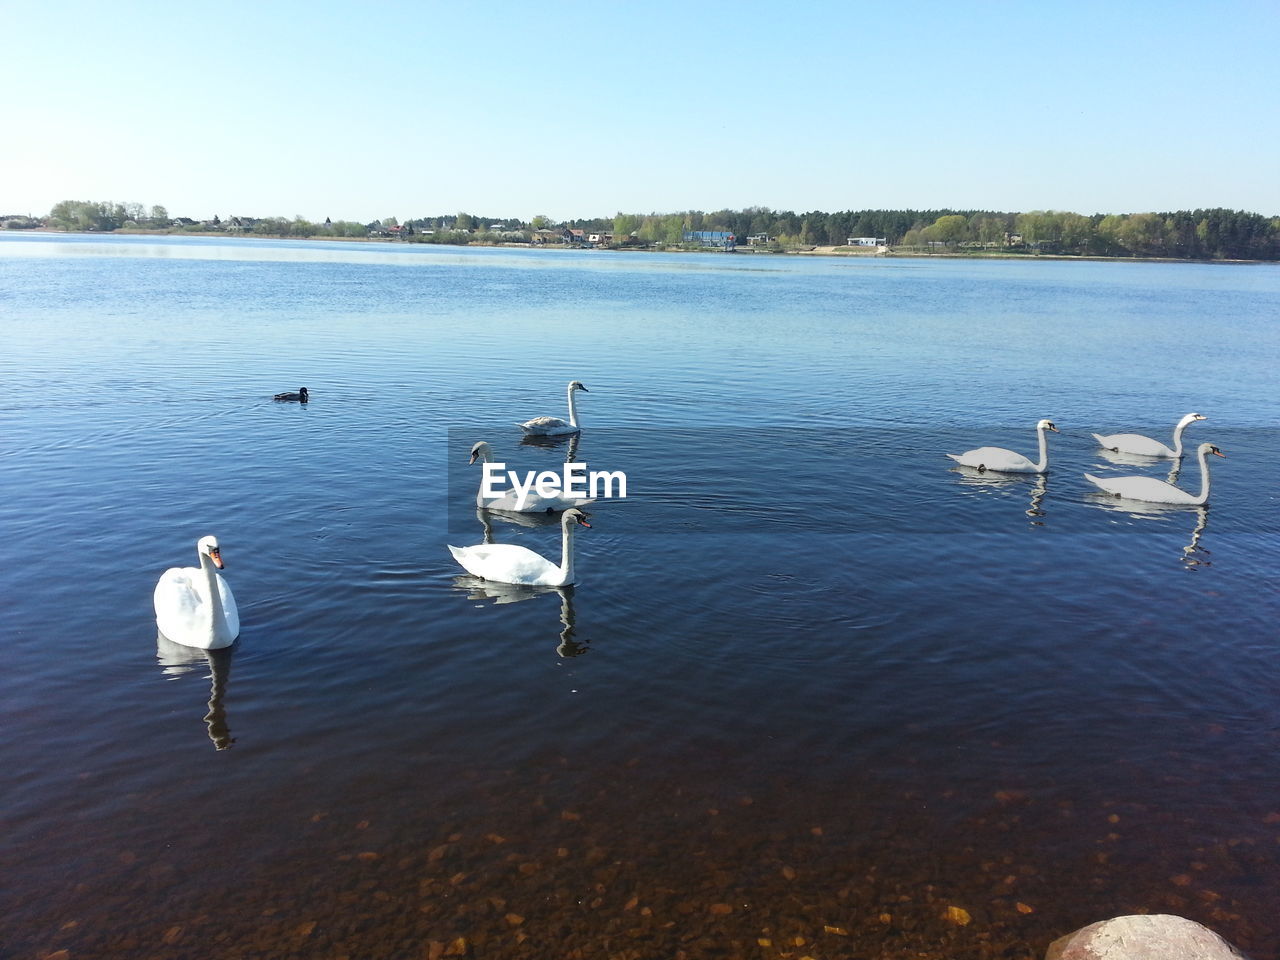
(1203, 234)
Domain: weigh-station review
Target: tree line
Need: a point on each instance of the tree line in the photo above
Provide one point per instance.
(1203, 234)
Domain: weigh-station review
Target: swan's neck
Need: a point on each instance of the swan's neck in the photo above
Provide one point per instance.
(1204, 478)
(485, 457)
(217, 616)
(566, 552)
(1177, 438)
(1044, 452)
(573, 408)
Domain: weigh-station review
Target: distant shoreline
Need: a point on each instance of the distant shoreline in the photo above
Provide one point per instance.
(816, 251)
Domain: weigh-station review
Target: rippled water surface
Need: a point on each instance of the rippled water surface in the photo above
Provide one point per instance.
(817, 692)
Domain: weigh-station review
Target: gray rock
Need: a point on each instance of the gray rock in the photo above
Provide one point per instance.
(1145, 937)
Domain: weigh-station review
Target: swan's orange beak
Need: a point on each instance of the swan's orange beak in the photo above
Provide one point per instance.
(216, 556)
(583, 522)
(1219, 453)
(471, 459)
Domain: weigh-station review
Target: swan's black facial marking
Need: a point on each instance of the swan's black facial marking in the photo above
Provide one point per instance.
(1217, 453)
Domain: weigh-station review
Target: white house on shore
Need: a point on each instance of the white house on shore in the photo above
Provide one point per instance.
(865, 242)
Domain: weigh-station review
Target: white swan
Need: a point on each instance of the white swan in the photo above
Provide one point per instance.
(1151, 490)
(510, 501)
(1145, 446)
(194, 606)
(508, 563)
(554, 426)
(1006, 461)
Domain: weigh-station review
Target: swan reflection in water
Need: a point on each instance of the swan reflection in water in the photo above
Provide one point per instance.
(540, 440)
(177, 660)
(1193, 554)
(478, 589)
(989, 482)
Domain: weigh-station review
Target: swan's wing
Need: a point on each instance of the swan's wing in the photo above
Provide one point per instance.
(229, 606)
(504, 562)
(544, 425)
(993, 453)
(993, 458)
(505, 502)
(1135, 443)
(180, 608)
(1141, 488)
(1001, 459)
(510, 503)
(1097, 482)
(507, 563)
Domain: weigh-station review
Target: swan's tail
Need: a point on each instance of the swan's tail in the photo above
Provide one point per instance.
(1102, 441)
(1096, 481)
(955, 457)
(523, 426)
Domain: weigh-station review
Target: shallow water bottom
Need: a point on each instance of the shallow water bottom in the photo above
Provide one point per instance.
(634, 862)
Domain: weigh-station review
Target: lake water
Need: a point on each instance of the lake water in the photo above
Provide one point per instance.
(816, 693)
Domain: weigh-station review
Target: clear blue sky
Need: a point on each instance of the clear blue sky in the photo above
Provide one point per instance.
(576, 109)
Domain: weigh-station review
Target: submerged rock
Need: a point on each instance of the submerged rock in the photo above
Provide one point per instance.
(1143, 937)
